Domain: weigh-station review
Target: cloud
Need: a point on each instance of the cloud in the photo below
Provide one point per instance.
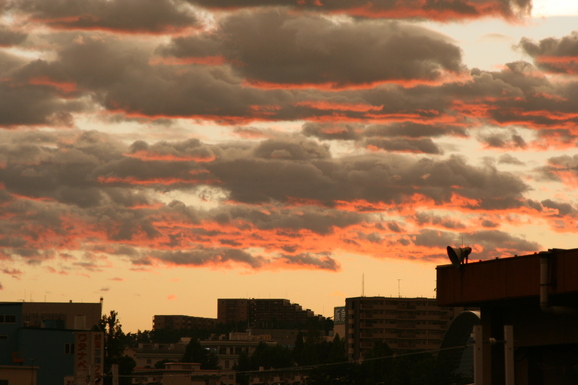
(271, 135)
(556, 55)
(486, 244)
(289, 202)
(277, 48)
(426, 146)
(509, 159)
(9, 37)
(143, 16)
(438, 10)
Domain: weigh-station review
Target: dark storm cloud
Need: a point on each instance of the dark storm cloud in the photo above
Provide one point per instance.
(557, 55)
(118, 15)
(279, 48)
(437, 10)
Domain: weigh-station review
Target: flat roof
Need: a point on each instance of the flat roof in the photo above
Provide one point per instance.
(503, 279)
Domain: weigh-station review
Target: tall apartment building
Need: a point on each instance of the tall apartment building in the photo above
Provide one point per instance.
(178, 322)
(262, 313)
(405, 324)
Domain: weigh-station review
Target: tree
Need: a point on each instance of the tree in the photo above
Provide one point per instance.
(194, 352)
(114, 343)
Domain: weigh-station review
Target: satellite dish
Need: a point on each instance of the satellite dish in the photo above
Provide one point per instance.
(458, 255)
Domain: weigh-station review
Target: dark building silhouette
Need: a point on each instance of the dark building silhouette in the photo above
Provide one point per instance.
(263, 313)
(44, 337)
(528, 333)
(178, 322)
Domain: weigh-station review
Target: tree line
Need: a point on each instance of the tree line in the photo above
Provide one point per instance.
(326, 361)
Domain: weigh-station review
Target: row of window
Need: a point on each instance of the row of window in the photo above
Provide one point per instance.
(7, 319)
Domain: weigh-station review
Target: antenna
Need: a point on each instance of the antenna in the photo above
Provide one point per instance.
(363, 285)
(399, 288)
(458, 255)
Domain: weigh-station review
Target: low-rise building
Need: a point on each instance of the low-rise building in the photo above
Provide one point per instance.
(177, 373)
(18, 375)
(42, 335)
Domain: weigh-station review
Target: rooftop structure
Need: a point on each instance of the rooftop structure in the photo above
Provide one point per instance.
(529, 312)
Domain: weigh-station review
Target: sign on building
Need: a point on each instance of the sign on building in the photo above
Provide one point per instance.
(339, 315)
(88, 357)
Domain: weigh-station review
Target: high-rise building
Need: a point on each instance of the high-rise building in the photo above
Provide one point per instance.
(405, 324)
(263, 313)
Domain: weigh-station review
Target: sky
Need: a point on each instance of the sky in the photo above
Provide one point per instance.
(162, 154)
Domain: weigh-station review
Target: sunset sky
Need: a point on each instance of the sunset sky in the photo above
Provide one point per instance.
(162, 154)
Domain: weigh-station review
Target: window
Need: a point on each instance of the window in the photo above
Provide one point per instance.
(68, 348)
(7, 319)
(3, 382)
(3, 337)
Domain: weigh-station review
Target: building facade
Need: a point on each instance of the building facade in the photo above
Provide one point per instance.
(177, 322)
(405, 324)
(42, 336)
(177, 373)
(528, 332)
(263, 313)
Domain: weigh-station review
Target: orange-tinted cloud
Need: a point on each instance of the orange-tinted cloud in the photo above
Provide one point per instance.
(409, 9)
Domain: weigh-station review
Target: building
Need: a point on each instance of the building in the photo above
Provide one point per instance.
(177, 373)
(42, 336)
(177, 322)
(229, 348)
(339, 321)
(292, 376)
(263, 313)
(405, 324)
(226, 348)
(528, 332)
(18, 375)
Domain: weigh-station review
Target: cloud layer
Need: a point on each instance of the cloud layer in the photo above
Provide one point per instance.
(328, 127)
